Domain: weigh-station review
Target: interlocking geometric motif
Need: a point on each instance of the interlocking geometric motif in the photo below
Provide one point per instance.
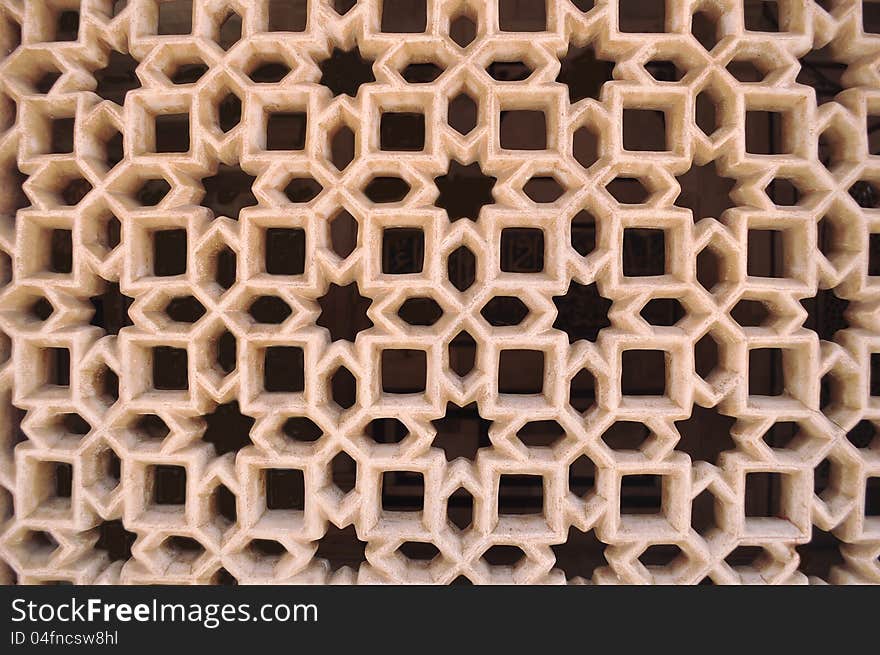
(417, 291)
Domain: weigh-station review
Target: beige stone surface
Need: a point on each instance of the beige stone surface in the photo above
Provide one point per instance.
(791, 498)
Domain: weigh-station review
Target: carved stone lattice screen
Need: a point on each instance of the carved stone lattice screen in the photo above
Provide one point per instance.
(426, 291)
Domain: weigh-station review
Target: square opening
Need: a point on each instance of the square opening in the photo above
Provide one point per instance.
(402, 131)
(763, 494)
(169, 485)
(522, 15)
(761, 16)
(169, 252)
(872, 496)
(63, 474)
(61, 251)
(764, 133)
(175, 17)
(285, 251)
(403, 250)
(874, 254)
(522, 250)
(644, 129)
(643, 252)
(404, 371)
(765, 254)
(766, 376)
(62, 136)
(172, 133)
(170, 369)
(870, 17)
(284, 369)
(520, 494)
(643, 372)
(403, 491)
(641, 494)
(641, 16)
(521, 371)
(288, 15)
(875, 374)
(523, 129)
(57, 366)
(872, 125)
(404, 16)
(285, 489)
(286, 130)
(67, 26)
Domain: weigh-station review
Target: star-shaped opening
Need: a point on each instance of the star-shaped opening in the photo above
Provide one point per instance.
(583, 73)
(115, 540)
(582, 312)
(820, 554)
(825, 314)
(823, 71)
(580, 555)
(344, 312)
(461, 432)
(111, 309)
(341, 548)
(117, 78)
(464, 190)
(345, 70)
(704, 191)
(228, 192)
(228, 429)
(706, 434)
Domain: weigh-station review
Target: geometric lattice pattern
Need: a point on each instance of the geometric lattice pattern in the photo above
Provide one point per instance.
(424, 291)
